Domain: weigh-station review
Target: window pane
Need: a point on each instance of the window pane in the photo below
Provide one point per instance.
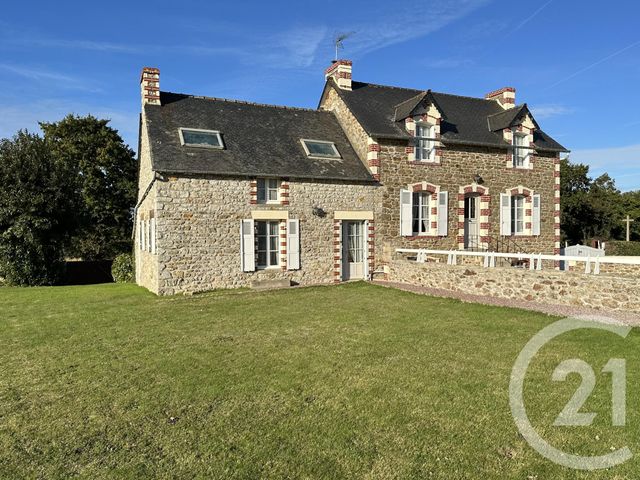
(273, 259)
(193, 137)
(273, 194)
(262, 196)
(323, 149)
(262, 258)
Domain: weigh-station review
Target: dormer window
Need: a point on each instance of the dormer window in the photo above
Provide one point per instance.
(195, 137)
(320, 148)
(520, 150)
(425, 142)
(268, 190)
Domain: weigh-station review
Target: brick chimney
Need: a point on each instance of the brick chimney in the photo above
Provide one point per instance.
(340, 71)
(150, 86)
(506, 97)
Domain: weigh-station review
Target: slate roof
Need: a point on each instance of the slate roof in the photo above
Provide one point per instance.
(508, 118)
(466, 119)
(260, 140)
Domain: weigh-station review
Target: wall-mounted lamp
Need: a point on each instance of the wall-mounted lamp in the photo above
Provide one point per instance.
(478, 179)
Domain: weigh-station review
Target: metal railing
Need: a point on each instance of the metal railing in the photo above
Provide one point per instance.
(534, 261)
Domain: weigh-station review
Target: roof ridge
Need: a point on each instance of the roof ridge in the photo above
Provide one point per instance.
(244, 102)
(377, 85)
(464, 96)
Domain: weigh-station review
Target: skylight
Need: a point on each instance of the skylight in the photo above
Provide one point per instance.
(320, 148)
(195, 137)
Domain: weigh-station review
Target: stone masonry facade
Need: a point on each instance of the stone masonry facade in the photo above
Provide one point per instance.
(198, 231)
(455, 169)
(188, 226)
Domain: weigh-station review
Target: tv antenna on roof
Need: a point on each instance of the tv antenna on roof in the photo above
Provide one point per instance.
(341, 37)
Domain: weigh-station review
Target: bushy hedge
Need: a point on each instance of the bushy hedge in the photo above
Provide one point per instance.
(123, 270)
(622, 248)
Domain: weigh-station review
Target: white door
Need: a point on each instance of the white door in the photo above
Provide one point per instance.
(471, 226)
(353, 250)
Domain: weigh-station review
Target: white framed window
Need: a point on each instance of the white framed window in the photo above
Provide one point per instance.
(421, 209)
(320, 148)
(425, 142)
(267, 235)
(517, 214)
(268, 190)
(197, 137)
(520, 152)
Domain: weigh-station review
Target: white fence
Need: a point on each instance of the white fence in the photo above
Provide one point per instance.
(592, 265)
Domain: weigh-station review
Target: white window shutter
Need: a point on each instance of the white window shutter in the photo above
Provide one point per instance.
(148, 235)
(143, 235)
(293, 244)
(406, 212)
(505, 214)
(443, 213)
(535, 216)
(365, 254)
(247, 246)
(153, 235)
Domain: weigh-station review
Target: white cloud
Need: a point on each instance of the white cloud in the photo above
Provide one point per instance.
(621, 163)
(398, 22)
(550, 110)
(531, 17)
(41, 74)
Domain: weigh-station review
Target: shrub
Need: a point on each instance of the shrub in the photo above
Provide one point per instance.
(122, 269)
(622, 248)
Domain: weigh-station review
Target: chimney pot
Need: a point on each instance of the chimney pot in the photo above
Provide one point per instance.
(340, 71)
(150, 86)
(505, 96)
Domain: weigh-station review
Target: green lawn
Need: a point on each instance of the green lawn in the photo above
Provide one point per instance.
(350, 381)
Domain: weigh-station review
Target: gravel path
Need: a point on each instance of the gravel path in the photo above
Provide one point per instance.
(626, 318)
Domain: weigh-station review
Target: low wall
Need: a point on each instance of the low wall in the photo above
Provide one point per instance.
(547, 286)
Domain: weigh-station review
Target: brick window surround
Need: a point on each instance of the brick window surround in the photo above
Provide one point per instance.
(484, 210)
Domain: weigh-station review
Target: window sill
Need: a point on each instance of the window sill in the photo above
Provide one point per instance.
(423, 236)
(272, 267)
(424, 162)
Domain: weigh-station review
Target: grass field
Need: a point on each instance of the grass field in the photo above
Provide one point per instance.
(350, 381)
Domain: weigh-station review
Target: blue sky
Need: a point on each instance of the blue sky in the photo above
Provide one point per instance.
(575, 63)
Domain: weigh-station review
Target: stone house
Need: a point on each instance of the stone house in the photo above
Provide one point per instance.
(232, 193)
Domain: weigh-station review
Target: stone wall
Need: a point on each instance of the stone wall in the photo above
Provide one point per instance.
(198, 231)
(568, 288)
(146, 264)
(352, 128)
(458, 168)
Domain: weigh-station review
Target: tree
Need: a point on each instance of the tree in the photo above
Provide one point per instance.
(35, 211)
(575, 209)
(604, 201)
(631, 207)
(592, 207)
(104, 184)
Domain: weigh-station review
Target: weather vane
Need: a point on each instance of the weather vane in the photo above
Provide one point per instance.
(339, 39)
